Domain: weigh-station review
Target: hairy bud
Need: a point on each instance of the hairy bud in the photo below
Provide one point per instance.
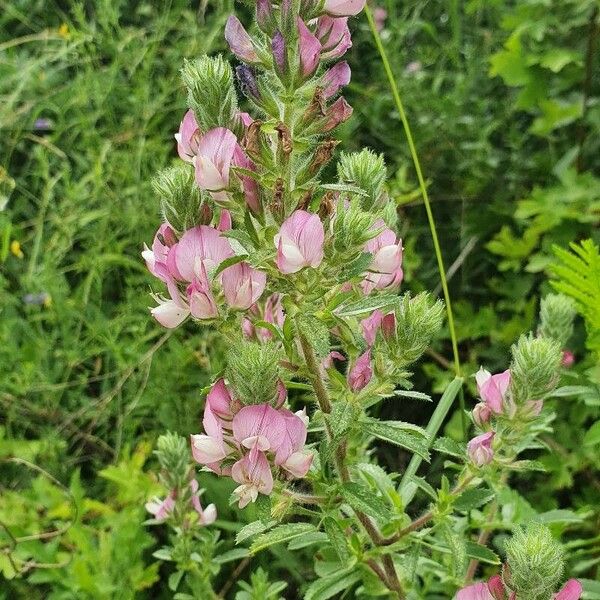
(180, 198)
(352, 227)
(211, 92)
(365, 170)
(173, 451)
(535, 562)
(557, 313)
(253, 371)
(418, 320)
(534, 368)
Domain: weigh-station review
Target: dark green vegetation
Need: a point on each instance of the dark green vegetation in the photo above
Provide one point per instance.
(504, 100)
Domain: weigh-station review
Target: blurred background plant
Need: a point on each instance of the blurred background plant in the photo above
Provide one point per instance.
(503, 98)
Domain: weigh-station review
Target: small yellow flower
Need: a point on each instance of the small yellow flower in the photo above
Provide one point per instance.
(64, 32)
(15, 248)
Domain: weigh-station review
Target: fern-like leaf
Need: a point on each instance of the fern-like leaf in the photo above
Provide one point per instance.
(578, 276)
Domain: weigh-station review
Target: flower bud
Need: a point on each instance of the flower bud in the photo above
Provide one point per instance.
(367, 171)
(179, 196)
(535, 562)
(211, 93)
(336, 78)
(173, 456)
(481, 414)
(310, 50)
(253, 372)
(535, 368)
(264, 16)
(557, 313)
(480, 449)
(361, 373)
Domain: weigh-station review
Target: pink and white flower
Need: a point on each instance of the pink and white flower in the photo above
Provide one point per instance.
(161, 509)
(253, 473)
(493, 389)
(243, 285)
(188, 137)
(480, 449)
(213, 160)
(386, 268)
(300, 242)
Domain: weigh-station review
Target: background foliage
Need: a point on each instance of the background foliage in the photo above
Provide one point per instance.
(503, 98)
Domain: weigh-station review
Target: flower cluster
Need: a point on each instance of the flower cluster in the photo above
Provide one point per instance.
(495, 589)
(250, 442)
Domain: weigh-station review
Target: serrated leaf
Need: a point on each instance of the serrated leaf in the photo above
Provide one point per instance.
(280, 534)
(401, 434)
(240, 236)
(424, 486)
(482, 554)
(342, 187)
(309, 539)
(356, 267)
(362, 499)
(316, 332)
(229, 262)
(473, 498)
(342, 418)
(337, 537)
(449, 446)
(367, 305)
(322, 589)
(526, 465)
(251, 530)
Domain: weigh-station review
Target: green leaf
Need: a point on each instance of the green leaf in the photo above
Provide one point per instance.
(482, 554)
(342, 187)
(163, 554)
(592, 435)
(559, 516)
(342, 418)
(316, 332)
(356, 267)
(422, 484)
(363, 499)
(234, 554)
(473, 498)
(367, 305)
(342, 581)
(527, 465)
(280, 534)
(413, 395)
(400, 434)
(251, 530)
(309, 539)
(449, 446)
(229, 262)
(337, 537)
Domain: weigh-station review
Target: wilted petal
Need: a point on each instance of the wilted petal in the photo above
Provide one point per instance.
(339, 112)
(239, 41)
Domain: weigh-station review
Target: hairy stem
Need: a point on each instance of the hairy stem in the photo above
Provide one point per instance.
(390, 580)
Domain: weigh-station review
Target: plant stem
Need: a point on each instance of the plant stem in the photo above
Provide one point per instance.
(390, 580)
(423, 187)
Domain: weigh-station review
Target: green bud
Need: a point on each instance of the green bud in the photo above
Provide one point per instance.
(534, 368)
(557, 313)
(253, 371)
(173, 455)
(180, 197)
(367, 171)
(211, 92)
(418, 320)
(352, 227)
(535, 562)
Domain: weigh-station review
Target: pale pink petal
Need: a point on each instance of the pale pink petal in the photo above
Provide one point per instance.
(207, 450)
(243, 285)
(572, 590)
(310, 49)
(198, 247)
(259, 426)
(213, 160)
(188, 137)
(239, 41)
(169, 314)
(478, 591)
(480, 449)
(344, 8)
(298, 464)
(370, 326)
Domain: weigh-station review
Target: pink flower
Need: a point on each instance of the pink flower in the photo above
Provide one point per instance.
(272, 312)
(481, 414)
(213, 159)
(161, 509)
(188, 137)
(339, 112)
(259, 426)
(169, 313)
(386, 268)
(493, 389)
(243, 285)
(200, 247)
(480, 449)
(225, 223)
(310, 50)
(289, 454)
(202, 304)
(300, 242)
(207, 515)
(492, 590)
(164, 240)
(334, 36)
(249, 184)
(253, 473)
(572, 590)
(568, 359)
(334, 79)
(344, 8)
(239, 41)
(361, 373)
(370, 326)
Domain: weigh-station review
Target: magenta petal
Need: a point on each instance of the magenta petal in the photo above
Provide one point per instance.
(572, 590)
(370, 326)
(334, 35)
(239, 41)
(496, 588)
(361, 373)
(310, 49)
(337, 77)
